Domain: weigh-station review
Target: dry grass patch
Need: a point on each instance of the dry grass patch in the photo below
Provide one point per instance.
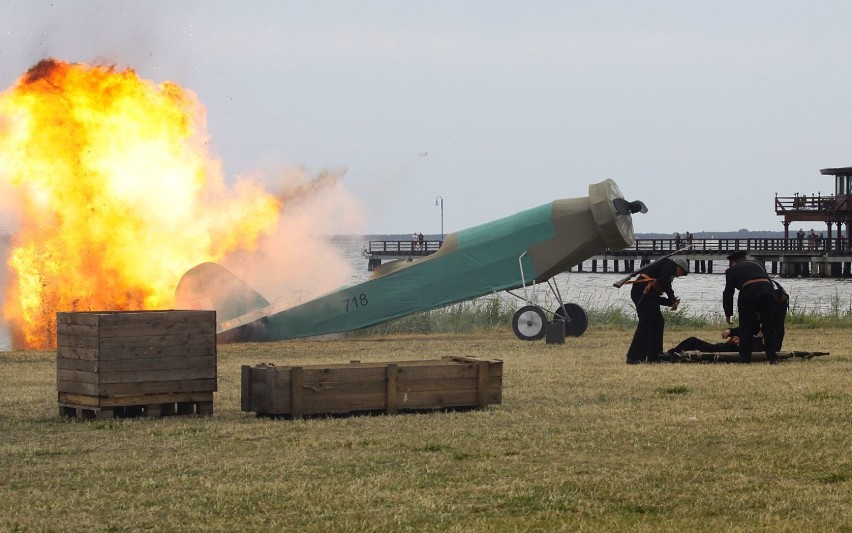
(581, 442)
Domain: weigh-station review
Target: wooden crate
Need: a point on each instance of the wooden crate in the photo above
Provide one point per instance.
(148, 363)
(298, 391)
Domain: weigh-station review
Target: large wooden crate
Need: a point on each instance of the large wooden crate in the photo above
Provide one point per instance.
(298, 391)
(148, 363)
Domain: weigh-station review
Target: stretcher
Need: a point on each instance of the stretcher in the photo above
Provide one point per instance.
(694, 356)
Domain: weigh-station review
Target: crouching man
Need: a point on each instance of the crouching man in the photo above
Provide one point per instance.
(757, 303)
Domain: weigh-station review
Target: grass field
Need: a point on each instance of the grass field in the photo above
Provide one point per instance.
(581, 442)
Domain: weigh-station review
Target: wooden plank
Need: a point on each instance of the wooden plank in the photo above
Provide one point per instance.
(128, 365)
(141, 377)
(77, 341)
(391, 390)
(156, 387)
(77, 376)
(93, 353)
(377, 373)
(114, 318)
(69, 352)
(283, 393)
(146, 341)
(354, 402)
(433, 399)
(148, 376)
(142, 399)
(157, 363)
(245, 388)
(83, 319)
(186, 316)
(81, 330)
(459, 370)
(141, 352)
(463, 359)
(330, 387)
(296, 392)
(77, 387)
(343, 375)
(438, 384)
(258, 392)
(482, 385)
(86, 365)
(407, 401)
(270, 375)
(79, 399)
(166, 328)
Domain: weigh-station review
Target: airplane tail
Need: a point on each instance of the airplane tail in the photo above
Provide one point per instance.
(212, 286)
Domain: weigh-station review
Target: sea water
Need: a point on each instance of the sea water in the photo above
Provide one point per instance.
(700, 294)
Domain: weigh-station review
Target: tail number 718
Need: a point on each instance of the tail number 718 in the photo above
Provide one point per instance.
(356, 302)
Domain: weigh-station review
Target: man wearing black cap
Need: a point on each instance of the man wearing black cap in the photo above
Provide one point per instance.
(652, 289)
(757, 303)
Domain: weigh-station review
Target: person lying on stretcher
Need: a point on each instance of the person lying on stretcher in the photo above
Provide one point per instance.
(730, 344)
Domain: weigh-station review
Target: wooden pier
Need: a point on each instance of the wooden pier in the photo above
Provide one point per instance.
(782, 257)
(378, 251)
(800, 255)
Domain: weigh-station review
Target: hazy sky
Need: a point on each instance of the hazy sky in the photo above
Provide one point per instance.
(703, 109)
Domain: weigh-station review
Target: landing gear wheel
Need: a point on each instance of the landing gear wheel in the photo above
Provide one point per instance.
(575, 319)
(529, 323)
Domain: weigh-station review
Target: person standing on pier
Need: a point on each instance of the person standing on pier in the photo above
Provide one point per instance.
(652, 289)
(757, 303)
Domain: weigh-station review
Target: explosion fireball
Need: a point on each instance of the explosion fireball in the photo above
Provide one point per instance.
(116, 194)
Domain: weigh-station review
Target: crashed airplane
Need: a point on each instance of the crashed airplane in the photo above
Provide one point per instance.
(515, 252)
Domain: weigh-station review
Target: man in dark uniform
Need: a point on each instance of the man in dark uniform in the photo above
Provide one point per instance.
(757, 303)
(647, 294)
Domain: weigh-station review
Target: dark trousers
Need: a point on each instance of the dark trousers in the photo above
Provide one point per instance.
(694, 344)
(758, 308)
(647, 342)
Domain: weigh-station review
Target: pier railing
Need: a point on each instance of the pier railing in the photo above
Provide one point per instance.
(712, 246)
(788, 257)
(820, 245)
(804, 203)
(402, 248)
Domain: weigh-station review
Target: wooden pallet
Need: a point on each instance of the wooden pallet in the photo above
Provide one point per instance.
(150, 406)
(298, 391)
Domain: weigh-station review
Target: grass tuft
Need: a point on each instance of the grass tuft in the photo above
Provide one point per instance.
(680, 389)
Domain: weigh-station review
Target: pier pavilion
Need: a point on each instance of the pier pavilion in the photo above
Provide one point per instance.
(834, 211)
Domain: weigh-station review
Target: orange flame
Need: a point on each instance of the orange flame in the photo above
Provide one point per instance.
(117, 192)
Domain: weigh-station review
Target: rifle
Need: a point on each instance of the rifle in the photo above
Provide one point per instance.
(625, 279)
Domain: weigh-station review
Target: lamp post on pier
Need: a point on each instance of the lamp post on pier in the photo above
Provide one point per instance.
(439, 200)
